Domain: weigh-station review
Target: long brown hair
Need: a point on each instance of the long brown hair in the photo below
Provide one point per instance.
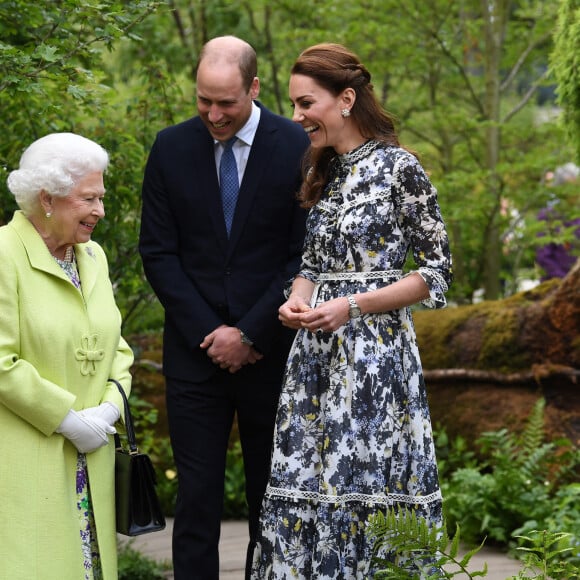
(336, 68)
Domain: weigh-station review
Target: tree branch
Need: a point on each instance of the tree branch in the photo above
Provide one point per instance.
(519, 63)
(535, 375)
(80, 46)
(525, 99)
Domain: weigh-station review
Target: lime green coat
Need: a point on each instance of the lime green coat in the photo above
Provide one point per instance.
(57, 350)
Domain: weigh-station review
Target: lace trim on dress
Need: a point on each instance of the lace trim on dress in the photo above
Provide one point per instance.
(369, 275)
(358, 153)
(362, 277)
(437, 287)
(440, 280)
(370, 500)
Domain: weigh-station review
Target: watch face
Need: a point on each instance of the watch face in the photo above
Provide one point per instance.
(245, 339)
(354, 312)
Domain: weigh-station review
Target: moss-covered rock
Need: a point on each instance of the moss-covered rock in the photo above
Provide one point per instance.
(534, 335)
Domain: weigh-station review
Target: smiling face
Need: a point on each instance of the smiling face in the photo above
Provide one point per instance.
(73, 217)
(223, 104)
(319, 113)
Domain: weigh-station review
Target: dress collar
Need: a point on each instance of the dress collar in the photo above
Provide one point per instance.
(358, 153)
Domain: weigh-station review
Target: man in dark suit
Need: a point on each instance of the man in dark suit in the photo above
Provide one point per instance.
(224, 349)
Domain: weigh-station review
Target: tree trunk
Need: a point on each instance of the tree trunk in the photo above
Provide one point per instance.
(494, 16)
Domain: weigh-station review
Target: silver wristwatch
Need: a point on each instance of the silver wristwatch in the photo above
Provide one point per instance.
(245, 339)
(354, 309)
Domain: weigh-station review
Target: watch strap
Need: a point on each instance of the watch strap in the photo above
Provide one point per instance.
(245, 338)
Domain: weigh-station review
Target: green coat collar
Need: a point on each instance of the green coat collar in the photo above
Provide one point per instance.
(41, 259)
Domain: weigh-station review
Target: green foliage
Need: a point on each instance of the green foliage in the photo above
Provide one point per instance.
(549, 541)
(565, 515)
(521, 483)
(51, 72)
(133, 565)
(452, 454)
(162, 458)
(544, 556)
(144, 417)
(54, 43)
(52, 78)
(235, 506)
(565, 62)
(118, 72)
(407, 538)
(118, 232)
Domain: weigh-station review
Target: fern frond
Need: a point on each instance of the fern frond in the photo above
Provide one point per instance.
(467, 557)
(454, 544)
(533, 434)
(533, 464)
(409, 537)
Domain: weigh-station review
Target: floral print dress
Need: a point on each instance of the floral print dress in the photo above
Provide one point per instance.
(353, 433)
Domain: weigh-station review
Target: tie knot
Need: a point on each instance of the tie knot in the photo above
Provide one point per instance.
(229, 143)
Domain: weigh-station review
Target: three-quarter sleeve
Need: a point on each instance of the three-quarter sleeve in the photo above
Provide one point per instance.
(422, 223)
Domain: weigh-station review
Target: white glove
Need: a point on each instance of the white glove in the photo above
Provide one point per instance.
(85, 433)
(107, 411)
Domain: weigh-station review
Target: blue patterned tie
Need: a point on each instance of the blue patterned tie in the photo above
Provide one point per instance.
(229, 185)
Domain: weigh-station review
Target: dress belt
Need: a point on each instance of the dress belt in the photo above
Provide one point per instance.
(371, 275)
(354, 276)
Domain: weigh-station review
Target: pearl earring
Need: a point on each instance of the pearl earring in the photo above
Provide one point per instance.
(48, 214)
(345, 112)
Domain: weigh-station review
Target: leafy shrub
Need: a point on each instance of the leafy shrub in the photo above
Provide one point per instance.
(522, 482)
(403, 537)
(564, 515)
(166, 476)
(452, 454)
(545, 557)
(235, 506)
(133, 565)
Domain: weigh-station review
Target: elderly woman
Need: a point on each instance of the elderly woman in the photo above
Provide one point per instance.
(60, 342)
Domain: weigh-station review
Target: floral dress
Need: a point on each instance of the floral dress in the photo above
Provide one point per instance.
(353, 433)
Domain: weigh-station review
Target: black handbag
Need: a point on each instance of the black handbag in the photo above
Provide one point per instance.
(137, 506)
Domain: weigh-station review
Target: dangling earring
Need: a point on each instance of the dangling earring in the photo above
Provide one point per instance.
(345, 112)
(48, 214)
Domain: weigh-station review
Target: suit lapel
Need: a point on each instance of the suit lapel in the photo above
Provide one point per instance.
(204, 175)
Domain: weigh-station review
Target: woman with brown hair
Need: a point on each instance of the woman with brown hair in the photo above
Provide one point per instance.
(353, 434)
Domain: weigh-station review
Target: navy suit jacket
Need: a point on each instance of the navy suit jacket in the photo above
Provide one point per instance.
(202, 278)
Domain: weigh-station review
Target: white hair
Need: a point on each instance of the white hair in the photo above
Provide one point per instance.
(54, 163)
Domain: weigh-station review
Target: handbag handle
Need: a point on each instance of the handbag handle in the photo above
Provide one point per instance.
(129, 427)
